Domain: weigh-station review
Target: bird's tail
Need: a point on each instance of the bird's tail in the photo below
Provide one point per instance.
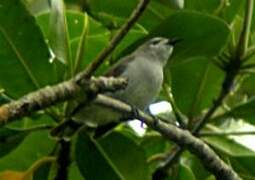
(66, 129)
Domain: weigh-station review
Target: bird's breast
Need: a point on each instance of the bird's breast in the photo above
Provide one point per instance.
(144, 82)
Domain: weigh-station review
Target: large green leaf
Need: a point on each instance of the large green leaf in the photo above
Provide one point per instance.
(229, 147)
(10, 139)
(93, 45)
(241, 158)
(35, 146)
(123, 152)
(92, 161)
(247, 86)
(231, 10)
(195, 165)
(244, 166)
(245, 111)
(185, 173)
(225, 9)
(195, 83)
(153, 15)
(96, 39)
(24, 56)
(201, 34)
(58, 33)
(208, 6)
(112, 157)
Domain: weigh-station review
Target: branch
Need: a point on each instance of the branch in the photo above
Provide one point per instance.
(226, 88)
(51, 95)
(181, 137)
(63, 160)
(91, 68)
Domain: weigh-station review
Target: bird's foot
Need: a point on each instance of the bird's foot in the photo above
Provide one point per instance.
(155, 119)
(136, 115)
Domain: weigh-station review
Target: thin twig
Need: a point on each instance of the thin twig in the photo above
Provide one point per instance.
(179, 116)
(91, 68)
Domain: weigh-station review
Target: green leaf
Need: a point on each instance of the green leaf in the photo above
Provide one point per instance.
(37, 6)
(35, 146)
(74, 172)
(195, 83)
(10, 139)
(154, 144)
(229, 146)
(123, 152)
(24, 56)
(206, 40)
(244, 165)
(247, 87)
(195, 165)
(96, 39)
(58, 33)
(185, 173)
(35, 120)
(92, 161)
(109, 15)
(245, 111)
(231, 10)
(133, 35)
(176, 4)
(112, 157)
(208, 6)
(227, 10)
(93, 45)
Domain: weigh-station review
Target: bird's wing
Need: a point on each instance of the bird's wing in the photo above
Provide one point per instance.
(118, 68)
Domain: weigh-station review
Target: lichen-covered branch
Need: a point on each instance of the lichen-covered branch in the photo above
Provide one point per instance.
(181, 137)
(51, 95)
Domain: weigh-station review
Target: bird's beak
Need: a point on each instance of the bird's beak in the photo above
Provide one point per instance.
(174, 41)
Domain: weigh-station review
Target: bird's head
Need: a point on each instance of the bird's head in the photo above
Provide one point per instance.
(159, 48)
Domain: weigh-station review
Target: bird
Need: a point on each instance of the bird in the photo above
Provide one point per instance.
(143, 69)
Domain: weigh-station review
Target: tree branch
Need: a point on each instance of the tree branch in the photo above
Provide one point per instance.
(46, 97)
(63, 160)
(115, 41)
(51, 95)
(181, 137)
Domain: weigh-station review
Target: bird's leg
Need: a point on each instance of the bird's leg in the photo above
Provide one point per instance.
(135, 114)
(155, 119)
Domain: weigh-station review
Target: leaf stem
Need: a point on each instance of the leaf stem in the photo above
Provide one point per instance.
(241, 133)
(245, 34)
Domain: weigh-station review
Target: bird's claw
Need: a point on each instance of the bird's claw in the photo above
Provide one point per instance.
(155, 119)
(136, 115)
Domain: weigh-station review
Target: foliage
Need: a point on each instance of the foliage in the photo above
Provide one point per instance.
(41, 46)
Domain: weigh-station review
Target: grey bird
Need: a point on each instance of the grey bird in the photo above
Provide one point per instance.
(144, 71)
